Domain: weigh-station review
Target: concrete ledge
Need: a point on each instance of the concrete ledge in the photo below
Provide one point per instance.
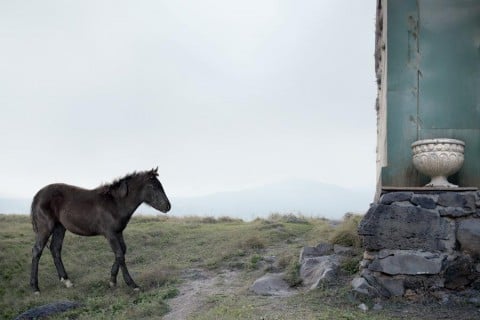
(427, 189)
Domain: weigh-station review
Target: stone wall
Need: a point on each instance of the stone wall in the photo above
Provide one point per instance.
(421, 241)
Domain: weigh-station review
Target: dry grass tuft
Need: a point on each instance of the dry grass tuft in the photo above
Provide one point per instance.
(346, 233)
(157, 277)
(254, 243)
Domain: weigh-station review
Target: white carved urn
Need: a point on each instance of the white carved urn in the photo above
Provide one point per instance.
(438, 159)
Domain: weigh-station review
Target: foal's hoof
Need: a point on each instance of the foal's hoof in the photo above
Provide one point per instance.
(136, 289)
(66, 282)
(37, 293)
(112, 284)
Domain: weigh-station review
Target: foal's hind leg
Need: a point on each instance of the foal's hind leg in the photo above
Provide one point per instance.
(41, 239)
(56, 250)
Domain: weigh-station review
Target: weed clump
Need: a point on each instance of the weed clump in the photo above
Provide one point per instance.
(346, 233)
(170, 293)
(350, 265)
(292, 273)
(284, 260)
(254, 262)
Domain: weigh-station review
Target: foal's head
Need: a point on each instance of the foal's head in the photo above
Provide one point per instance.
(152, 191)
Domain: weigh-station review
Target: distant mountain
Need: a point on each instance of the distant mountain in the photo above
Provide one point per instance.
(15, 205)
(309, 198)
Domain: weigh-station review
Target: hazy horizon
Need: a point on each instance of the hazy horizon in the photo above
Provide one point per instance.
(300, 197)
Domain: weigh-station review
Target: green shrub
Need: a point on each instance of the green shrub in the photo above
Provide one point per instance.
(254, 261)
(170, 293)
(350, 265)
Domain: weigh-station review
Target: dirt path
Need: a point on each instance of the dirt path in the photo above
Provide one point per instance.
(199, 285)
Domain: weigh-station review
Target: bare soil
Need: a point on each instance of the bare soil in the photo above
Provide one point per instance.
(198, 287)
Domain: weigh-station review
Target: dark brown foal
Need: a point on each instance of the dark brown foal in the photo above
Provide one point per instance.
(105, 211)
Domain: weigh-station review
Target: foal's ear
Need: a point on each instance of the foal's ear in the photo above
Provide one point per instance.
(122, 190)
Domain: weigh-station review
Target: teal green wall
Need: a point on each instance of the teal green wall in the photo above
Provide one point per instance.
(433, 83)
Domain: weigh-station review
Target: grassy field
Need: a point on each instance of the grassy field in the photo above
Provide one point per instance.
(160, 251)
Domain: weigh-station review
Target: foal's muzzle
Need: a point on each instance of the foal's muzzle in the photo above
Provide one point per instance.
(166, 207)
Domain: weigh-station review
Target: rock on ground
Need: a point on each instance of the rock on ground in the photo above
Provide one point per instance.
(318, 270)
(48, 310)
(272, 284)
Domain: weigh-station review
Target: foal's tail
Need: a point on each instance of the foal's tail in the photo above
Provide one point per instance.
(33, 213)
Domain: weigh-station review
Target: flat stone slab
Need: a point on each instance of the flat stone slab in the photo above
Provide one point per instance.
(407, 262)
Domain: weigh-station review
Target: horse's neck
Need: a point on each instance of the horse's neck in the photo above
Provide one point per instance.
(132, 199)
(129, 204)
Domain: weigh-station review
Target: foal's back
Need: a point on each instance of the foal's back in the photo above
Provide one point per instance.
(77, 209)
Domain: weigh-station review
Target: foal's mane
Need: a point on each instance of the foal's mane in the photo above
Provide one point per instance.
(109, 187)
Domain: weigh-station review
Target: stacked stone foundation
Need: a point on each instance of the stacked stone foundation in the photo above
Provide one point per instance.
(417, 242)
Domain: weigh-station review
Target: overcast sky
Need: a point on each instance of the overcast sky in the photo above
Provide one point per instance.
(220, 95)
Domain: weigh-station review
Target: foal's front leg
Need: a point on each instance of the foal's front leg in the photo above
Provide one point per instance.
(115, 266)
(119, 249)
